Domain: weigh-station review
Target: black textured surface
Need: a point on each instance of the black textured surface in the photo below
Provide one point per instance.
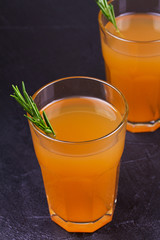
(40, 41)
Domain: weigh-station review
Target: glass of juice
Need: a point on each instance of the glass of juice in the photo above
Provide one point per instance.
(80, 166)
(132, 59)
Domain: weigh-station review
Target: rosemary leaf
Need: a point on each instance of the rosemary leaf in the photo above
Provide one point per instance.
(108, 11)
(23, 104)
(25, 94)
(47, 122)
(30, 107)
(17, 93)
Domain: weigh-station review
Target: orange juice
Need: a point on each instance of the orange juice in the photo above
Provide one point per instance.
(132, 64)
(80, 167)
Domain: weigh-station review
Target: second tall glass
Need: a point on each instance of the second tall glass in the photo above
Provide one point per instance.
(132, 60)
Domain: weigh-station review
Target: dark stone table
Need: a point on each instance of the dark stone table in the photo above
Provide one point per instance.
(40, 41)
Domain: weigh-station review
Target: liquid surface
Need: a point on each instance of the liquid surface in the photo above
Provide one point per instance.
(82, 119)
(137, 27)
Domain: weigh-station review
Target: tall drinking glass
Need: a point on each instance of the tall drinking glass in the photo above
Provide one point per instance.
(80, 167)
(132, 59)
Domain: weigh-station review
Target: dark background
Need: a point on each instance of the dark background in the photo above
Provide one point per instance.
(41, 41)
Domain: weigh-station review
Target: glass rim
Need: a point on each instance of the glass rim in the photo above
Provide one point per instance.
(124, 118)
(120, 38)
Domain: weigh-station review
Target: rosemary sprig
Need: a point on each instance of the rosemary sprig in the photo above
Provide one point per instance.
(30, 107)
(108, 11)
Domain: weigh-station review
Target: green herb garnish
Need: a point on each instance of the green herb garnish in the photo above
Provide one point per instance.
(30, 107)
(108, 11)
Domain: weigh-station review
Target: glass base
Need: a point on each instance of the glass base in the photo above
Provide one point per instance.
(82, 227)
(143, 127)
